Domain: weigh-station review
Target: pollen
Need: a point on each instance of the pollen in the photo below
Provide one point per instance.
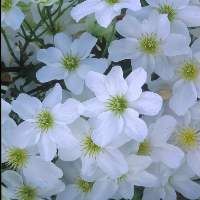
(45, 121)
(117, 105)
(84, 186)
(188, 139)
(149, 43)
(90, 148)
(144, 148)
(111, 2)
(17, 158)
(169, 10)
(189, 71)
(26, 192)
(6, 5)
(70, 63)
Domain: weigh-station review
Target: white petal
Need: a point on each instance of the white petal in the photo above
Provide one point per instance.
(135, 80)
(124, 27)
(176, 45)
(162, 129)
(49, 73)
(135, 127)
(117, 52)
(112, 163)
(63, 42)
(115, 83)
(190, 15)
(96, 82)
(11, 179)
(126, 190)
(188, 188)
(82, 46)
(83, 9)
(47, 148)
(49, 56)
(151, 193)
(107, 123)
(26, 106)
(149, 103)
(74, 83)
(67, 112)
(54, 97)
(93, 107)
(170, 155)
(92, 64)
(163, 27)
(14, 18)
(193, 160)
(184, 96)
(103, 189)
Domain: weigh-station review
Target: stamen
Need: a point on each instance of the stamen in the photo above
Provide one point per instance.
(6, 5)
(26, 192)
(111, 2)
(84, 186)
(144, 148)
(45, 121)
(117, 105)
(149, 43)
(17, 158)
(70, 63)
(89, 147)
(169, 10)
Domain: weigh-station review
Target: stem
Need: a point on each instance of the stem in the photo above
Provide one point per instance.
(9, 46)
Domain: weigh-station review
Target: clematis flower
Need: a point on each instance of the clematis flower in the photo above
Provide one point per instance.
(104, 10)
(45, 124)
(149, 45)
(11, 14)
(187, 81)
(70, 61)
(27, 162)
(118, 103)
(170, 181)
(6, 109)
(19, 188)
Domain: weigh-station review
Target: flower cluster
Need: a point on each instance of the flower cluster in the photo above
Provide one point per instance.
(100, 99)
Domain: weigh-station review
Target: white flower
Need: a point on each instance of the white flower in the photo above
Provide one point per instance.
(19, 188)
(11, 15)
(69, 61)
(104, 10)
(6, 109)
(187, 137)
(137, 175)
(45, 124)
(171, 181)
(156, 144)
(118, 103)
(149, 44)
(95, 159)
(25, 161)
(186, 89)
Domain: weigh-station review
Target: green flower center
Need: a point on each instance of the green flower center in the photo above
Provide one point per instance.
(6, 5)
(117, 105)
(189, 71)
(90, 148)
(70, 63)
(27, 193)
(149, 43)
(169, 10)
(84, 186)
(111, 2)
(122, 178)
(45, 121)
(188, 138)
(17, 158)
(144, 148)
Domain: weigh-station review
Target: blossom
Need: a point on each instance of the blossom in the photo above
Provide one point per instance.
(19, 188)
(45, 124)
(118, 103)
(11, 14)
(70, 61)
(104, 10)
(150, 44)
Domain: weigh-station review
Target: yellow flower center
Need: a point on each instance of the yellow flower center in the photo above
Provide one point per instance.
(111, 2)
(26, 192)
(169, 10)
(84, 186)
(70, 63)
(144, 148)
